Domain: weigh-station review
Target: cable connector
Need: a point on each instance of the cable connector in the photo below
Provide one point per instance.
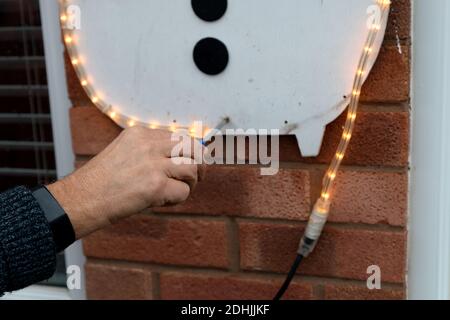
(315, 226)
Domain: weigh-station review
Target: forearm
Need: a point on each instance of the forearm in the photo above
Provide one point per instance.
(84, 209)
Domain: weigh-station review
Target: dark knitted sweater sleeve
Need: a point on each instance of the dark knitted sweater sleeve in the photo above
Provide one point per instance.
(27, 250)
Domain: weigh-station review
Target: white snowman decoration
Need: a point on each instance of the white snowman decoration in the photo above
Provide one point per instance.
(262, 64)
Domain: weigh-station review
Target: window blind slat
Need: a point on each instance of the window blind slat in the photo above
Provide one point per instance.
(7, 63)
(24, 117)
(23, 90)
(24, 145)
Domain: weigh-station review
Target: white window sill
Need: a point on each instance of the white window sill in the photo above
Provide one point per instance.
(39, 293)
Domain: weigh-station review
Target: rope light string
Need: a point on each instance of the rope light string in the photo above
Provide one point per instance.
(71, 38)
(321, 208)
(330, 176)
(319, 216)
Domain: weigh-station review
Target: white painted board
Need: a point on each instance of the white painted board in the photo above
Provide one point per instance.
(291, 61)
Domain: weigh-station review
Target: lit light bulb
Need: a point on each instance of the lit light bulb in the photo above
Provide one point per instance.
(84, 83)
(95, 99)
(376, 27)
(69, 39)
(347, 136)
(326, 196)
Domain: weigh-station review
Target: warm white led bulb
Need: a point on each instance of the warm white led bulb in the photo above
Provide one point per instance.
(326, 196)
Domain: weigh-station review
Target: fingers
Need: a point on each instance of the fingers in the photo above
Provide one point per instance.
(185, 146)
(193, 149)
(183, 156)
(183, 169)
(176, 192)
(177, 144)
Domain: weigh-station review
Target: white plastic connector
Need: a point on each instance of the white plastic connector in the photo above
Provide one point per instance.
(315, 226)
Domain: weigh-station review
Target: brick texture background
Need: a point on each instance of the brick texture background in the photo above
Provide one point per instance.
(237, 235)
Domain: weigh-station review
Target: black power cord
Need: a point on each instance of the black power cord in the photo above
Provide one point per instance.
(289, 277)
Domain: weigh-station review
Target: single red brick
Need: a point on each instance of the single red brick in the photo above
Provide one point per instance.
(189, 286)
(242, 191)
(114, 282)
(389, 80)
(399, 26)
(181, 241)
(92, 131)
(340, 253)
(379, 139)
(361, 292)
(370, 198)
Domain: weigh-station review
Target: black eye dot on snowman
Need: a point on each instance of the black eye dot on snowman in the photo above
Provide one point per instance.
(209, 10)
(211, 56)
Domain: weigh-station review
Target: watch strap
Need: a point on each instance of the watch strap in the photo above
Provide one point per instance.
(60, 225)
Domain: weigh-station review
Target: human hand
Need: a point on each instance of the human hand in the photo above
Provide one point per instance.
(133, 173)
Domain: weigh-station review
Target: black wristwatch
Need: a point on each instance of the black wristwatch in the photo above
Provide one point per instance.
(62, 229)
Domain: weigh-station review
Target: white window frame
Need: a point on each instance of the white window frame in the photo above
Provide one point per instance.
(429, 221)
(59, 106)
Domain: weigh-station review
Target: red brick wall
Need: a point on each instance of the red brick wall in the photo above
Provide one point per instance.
(237, 235)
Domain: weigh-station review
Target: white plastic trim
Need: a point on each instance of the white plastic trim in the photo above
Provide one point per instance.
(429, 223)
(60, 105)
